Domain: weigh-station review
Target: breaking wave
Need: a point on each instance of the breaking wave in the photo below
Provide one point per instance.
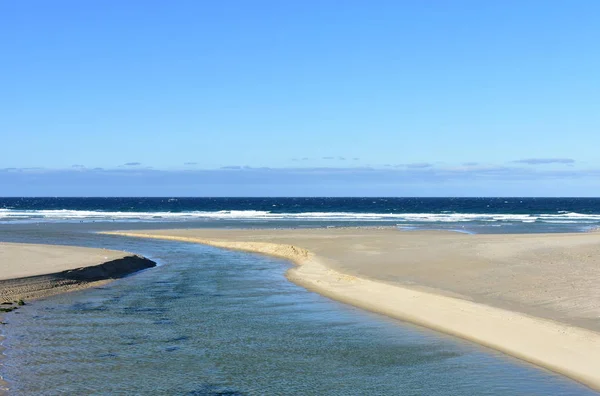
(10, 215)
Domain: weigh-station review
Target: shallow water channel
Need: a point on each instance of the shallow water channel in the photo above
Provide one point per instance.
(213, 322)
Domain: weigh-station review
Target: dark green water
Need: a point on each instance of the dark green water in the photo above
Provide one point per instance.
(215, 322)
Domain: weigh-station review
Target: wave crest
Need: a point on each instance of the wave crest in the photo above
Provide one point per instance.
(11, 215)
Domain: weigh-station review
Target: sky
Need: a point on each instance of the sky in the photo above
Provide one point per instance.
(302, 98)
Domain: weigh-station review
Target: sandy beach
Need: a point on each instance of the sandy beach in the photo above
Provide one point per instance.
(29, 271)
(33, 271)
(532, 296)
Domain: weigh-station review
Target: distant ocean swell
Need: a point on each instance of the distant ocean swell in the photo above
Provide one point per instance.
(10, 215)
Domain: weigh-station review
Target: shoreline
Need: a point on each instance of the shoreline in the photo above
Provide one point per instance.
(555, 345)
(42, 286)
(36, 271)
(33, 271)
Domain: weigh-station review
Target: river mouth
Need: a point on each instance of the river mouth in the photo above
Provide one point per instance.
(209, 321)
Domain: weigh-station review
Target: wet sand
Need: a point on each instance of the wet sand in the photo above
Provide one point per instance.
(531, 296)
(29, 271)
(34, 271)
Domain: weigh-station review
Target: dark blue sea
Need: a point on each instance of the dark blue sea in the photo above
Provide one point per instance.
(485, 215)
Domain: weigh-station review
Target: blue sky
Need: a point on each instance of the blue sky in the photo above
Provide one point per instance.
(300, 98)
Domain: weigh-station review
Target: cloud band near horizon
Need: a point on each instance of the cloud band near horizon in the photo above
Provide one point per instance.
(464, 180)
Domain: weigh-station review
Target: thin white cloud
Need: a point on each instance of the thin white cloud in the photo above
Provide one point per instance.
(419, 165)
(545, 161)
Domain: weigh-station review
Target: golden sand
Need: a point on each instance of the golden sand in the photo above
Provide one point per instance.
(531, 296)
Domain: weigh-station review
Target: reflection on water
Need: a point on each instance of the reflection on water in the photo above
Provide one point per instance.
(214, 322)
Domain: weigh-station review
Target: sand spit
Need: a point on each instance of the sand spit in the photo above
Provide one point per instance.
(437, 279)
(81, 278)
(29, 271)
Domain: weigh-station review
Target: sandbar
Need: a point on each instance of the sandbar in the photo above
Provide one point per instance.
(29, 271)
(532, 296)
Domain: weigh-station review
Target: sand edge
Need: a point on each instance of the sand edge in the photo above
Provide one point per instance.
(565, 349)
(41, 286)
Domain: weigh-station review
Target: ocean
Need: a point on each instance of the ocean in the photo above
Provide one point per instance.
(483, 215)
(208, 321)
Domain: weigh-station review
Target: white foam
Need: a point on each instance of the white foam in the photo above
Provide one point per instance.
(446, 217)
